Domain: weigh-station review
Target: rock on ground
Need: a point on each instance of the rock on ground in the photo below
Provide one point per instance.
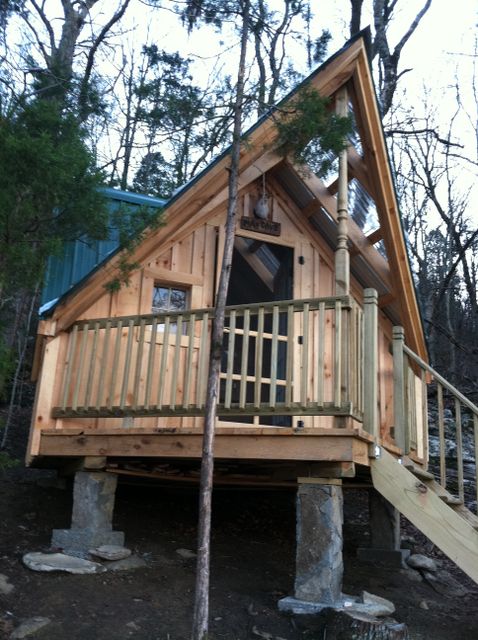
(186, 553)
(421, 562)
(111, 552)
(61, 562)
(29, 627)
(371, 598)
(5, 586)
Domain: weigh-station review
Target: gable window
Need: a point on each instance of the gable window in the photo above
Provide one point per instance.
(168, 299)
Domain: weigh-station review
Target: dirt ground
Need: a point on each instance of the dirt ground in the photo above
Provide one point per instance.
(252, 567)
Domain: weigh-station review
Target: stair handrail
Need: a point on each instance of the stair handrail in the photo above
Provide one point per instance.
(400, 350)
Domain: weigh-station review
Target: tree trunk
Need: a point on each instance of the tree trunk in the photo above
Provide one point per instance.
(201, 602)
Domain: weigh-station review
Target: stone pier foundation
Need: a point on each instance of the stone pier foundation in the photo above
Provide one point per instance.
(319, 562)
(92, 517)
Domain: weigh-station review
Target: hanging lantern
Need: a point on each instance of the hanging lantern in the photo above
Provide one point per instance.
(261, 209)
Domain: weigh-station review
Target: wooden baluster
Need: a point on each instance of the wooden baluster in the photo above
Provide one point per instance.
(91, 372)
(189, 361)
(351, 362)
(244, 360)
(139, 364)
(274, 350)
(69, 365)
(304, 374)
(79, 370)
(321, 357)
(459, 450)
(424, 414)
(177, 353)
(338, 355)
(127, 365)
(258, 361)
(163, 363)
(114, 369)
(103, 364)
(290, 356)
(370, 362)
(230, 359)
(151, 358)
(202, 362)
(399, 418)
(441, 435)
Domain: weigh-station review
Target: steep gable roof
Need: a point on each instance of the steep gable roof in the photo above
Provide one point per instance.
(368, 164)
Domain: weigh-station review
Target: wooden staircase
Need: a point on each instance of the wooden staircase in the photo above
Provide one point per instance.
(442, 517)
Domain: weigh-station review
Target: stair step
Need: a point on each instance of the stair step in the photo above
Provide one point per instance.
(418, 472)
(451, 500)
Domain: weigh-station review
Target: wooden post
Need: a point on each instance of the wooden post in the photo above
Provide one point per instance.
(342, 258)
(399, 416)
(370, 362)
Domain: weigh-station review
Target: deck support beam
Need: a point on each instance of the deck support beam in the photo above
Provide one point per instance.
(319, 561)
(92, 517)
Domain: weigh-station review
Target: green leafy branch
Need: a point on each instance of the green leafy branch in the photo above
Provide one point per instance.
(311, 133)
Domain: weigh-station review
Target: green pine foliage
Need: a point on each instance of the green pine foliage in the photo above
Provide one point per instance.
(48, 191)
(311, 133)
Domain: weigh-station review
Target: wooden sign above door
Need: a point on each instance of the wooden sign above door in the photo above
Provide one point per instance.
(267, 227)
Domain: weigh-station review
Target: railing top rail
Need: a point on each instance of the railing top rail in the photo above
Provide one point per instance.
(447, 385)
(329, 303)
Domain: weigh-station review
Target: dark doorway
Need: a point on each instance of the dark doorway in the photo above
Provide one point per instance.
(261, 272)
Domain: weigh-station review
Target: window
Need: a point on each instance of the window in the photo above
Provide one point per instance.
(168, 299)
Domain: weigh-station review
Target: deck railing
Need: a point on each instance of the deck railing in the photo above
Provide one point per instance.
(452, 423)
(296, 357)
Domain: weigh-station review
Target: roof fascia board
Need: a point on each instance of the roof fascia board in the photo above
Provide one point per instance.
(376, 155)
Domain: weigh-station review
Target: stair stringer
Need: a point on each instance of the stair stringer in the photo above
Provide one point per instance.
(418, 502)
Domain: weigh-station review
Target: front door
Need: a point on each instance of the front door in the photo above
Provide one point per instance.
(261, 272)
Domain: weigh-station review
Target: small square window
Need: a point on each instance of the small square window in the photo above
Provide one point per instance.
(168, 299)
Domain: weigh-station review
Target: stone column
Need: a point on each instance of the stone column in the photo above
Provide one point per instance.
(319, 564)
(384, 533)
(92, 517)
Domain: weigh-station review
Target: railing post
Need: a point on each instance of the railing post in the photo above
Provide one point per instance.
(399, 416)
(370, 362)
(342, 257)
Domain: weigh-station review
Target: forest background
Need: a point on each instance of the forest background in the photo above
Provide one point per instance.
(139, 94)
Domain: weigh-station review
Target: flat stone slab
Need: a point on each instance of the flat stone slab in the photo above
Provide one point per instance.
(29, 627)
(294, 605)
(371, 605)
(61, 562)
(111, 552)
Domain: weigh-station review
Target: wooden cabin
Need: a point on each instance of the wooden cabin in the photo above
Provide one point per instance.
(324, 352)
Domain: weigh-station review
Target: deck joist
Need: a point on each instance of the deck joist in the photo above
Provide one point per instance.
(248, 443)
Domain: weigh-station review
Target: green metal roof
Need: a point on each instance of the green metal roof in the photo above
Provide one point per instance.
(79, 258)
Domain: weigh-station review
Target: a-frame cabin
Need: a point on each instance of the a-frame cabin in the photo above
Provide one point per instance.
(325, 370)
